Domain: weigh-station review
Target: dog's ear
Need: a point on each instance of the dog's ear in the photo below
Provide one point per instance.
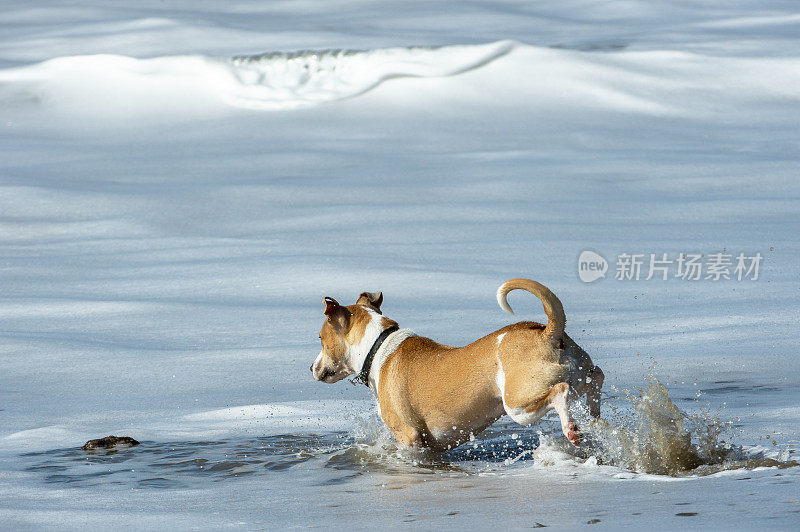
(371, 299)
(337, 314)
(330, 306)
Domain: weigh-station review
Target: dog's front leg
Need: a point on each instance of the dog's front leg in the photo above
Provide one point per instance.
(408, 437)
(403, 432)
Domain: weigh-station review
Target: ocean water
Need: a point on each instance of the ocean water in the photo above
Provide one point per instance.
(181, 184)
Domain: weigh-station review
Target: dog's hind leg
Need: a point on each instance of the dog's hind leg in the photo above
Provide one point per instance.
(532, 411)
(594, 383)
(557, 399)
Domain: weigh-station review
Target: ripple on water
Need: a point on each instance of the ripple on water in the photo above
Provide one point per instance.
(651, 436)
(181, 464)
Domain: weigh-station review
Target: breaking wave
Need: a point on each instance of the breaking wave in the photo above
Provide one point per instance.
(281, 80)
(270, 81)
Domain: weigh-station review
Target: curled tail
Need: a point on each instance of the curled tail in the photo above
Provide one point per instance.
(552, 306)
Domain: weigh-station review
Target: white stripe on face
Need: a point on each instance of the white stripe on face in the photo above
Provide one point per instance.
(356, 354)
(316, 367)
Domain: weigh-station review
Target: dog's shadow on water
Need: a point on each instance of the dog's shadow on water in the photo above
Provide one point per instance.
(182, 464)
(496, 446)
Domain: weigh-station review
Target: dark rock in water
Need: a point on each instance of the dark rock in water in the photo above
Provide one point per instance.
(108, 442)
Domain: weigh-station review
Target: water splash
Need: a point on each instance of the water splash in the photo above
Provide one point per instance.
(374, 449)
(652, 435)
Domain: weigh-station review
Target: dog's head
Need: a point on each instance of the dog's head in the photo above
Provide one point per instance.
(347, 335)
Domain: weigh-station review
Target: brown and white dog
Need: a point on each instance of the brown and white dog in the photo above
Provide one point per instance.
(437, 396)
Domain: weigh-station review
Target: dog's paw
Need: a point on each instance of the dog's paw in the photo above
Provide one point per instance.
(573, 435)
